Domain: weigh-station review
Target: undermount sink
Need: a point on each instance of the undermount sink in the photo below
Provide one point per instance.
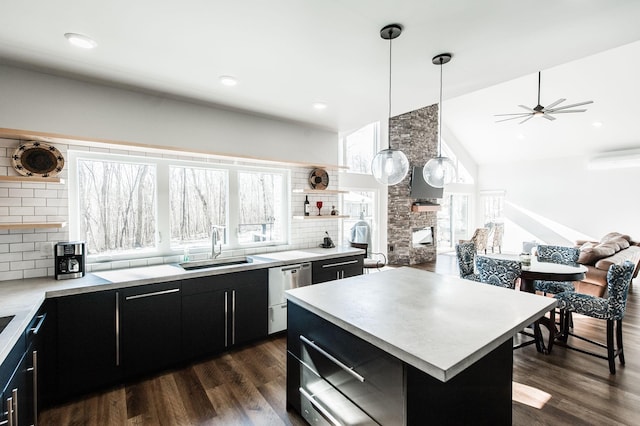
(215, 263)
(4, 321)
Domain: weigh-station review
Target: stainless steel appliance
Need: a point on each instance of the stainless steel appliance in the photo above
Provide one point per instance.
(280, 280)
(69, 260)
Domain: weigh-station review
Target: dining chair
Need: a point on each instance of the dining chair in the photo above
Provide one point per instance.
(561, 255)
(479, 238)
(466, 254)
(498, 272)
(611, 309)
(370, 262)
(496, 237)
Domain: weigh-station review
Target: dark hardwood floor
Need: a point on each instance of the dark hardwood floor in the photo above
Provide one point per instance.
(246, 386)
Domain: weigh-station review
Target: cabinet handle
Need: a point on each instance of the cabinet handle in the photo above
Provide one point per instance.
(337, 275)
(14, 394)
(36, 329)
(323, 411)
(117, 326)
(333, 265)
(35, 387)
(10, 411)
(233, 317)
(226, 318)
(155, 293)
(333, 359)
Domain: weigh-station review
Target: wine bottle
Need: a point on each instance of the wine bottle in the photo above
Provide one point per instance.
(307, 206)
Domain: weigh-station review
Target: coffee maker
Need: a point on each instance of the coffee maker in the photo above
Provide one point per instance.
(69, 259)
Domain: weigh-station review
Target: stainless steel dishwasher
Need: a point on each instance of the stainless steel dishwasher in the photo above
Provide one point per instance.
(280, 280)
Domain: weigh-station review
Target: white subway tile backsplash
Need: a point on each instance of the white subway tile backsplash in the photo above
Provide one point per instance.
(20, 247)
(22, 211)
(22, 265)
(11, 238)
(19, 192)
(12, 202)
(35, 202)
(36, 272)
(27, 238)
(12, 275)
(44, 193)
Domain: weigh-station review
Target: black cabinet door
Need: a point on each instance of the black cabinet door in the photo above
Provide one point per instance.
(223, 310)
(17, 395)
(150, 327)
(87, 342)
(250, 313)
(203, 323)
(337, 268)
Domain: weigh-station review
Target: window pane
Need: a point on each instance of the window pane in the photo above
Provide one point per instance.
(117, 203)
(360, 149)
(453, 219)
(198, 199)
(261, 207)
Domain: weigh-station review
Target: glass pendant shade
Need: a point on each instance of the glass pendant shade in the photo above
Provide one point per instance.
(439, 172)
(390, 166)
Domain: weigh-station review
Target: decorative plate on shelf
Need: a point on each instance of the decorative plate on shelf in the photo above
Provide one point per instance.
(319, 179)
(36, 158)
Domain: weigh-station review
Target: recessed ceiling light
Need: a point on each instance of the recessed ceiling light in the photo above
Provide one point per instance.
(319, 105)
(227, 80)
(80, 40)
(520, 136)
(597, 124)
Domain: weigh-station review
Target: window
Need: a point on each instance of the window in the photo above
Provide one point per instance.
(462, 175)
(117, 205)
(261, 207)
(359, 148)
(198, 200)
(492, 206)
(453, 221)
(126, 207)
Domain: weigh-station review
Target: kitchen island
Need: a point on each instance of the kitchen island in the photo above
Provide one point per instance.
(405, 347)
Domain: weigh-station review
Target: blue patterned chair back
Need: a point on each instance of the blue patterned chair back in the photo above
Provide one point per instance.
(558, 254)
(618, 282)
(499, 272)
(466, 253)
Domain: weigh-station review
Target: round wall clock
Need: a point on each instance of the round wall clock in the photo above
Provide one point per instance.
(34, 158)
(319, 179)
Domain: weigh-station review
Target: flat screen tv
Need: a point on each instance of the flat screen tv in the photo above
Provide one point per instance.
(420, 189)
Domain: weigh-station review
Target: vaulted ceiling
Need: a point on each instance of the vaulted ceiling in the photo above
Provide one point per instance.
(288, 54)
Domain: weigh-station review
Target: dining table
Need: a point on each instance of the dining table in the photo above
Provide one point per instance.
(544, 271)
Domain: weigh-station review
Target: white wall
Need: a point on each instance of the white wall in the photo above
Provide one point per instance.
(557, 201)
(40, 102)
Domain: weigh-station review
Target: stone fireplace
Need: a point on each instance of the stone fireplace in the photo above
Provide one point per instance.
(416, 134)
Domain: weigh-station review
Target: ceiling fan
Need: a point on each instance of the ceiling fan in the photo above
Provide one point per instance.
(541, 111)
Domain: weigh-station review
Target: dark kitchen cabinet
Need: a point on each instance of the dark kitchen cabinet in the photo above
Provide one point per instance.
(150, 328)
(88, 347)
(220, 311)
(17, 395)
(337, 268)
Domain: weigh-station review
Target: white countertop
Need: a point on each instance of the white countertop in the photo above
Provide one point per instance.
(436, 323)
(23, 298)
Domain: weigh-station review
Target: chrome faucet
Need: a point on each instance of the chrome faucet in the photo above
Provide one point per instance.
(215, 238)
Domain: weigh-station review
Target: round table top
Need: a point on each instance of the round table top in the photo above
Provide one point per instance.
(547, 270)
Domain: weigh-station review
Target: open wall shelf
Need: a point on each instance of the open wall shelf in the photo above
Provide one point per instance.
(34, 225)
(31, 179)
(319, 191)
(324, 216)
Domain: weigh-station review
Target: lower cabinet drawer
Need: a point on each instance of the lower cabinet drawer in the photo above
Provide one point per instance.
(322, 404)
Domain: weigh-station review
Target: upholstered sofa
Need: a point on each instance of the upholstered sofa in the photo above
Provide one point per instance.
(597, 256)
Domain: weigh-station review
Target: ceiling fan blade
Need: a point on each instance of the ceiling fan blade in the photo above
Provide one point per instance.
(565, 110)
(559, 101)
(526, 119)
(527, 108)
(570, 106)
(517, 113)
(548, 117)
(515, 118)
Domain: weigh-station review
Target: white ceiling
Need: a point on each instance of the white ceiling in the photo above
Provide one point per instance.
(288, 54)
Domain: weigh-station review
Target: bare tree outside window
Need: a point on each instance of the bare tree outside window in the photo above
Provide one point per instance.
(360, 148)
(198, 200)
(261, 207)
(117, 202)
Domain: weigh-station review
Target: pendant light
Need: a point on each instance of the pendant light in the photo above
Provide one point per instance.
(439, 171)
(390, 166)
